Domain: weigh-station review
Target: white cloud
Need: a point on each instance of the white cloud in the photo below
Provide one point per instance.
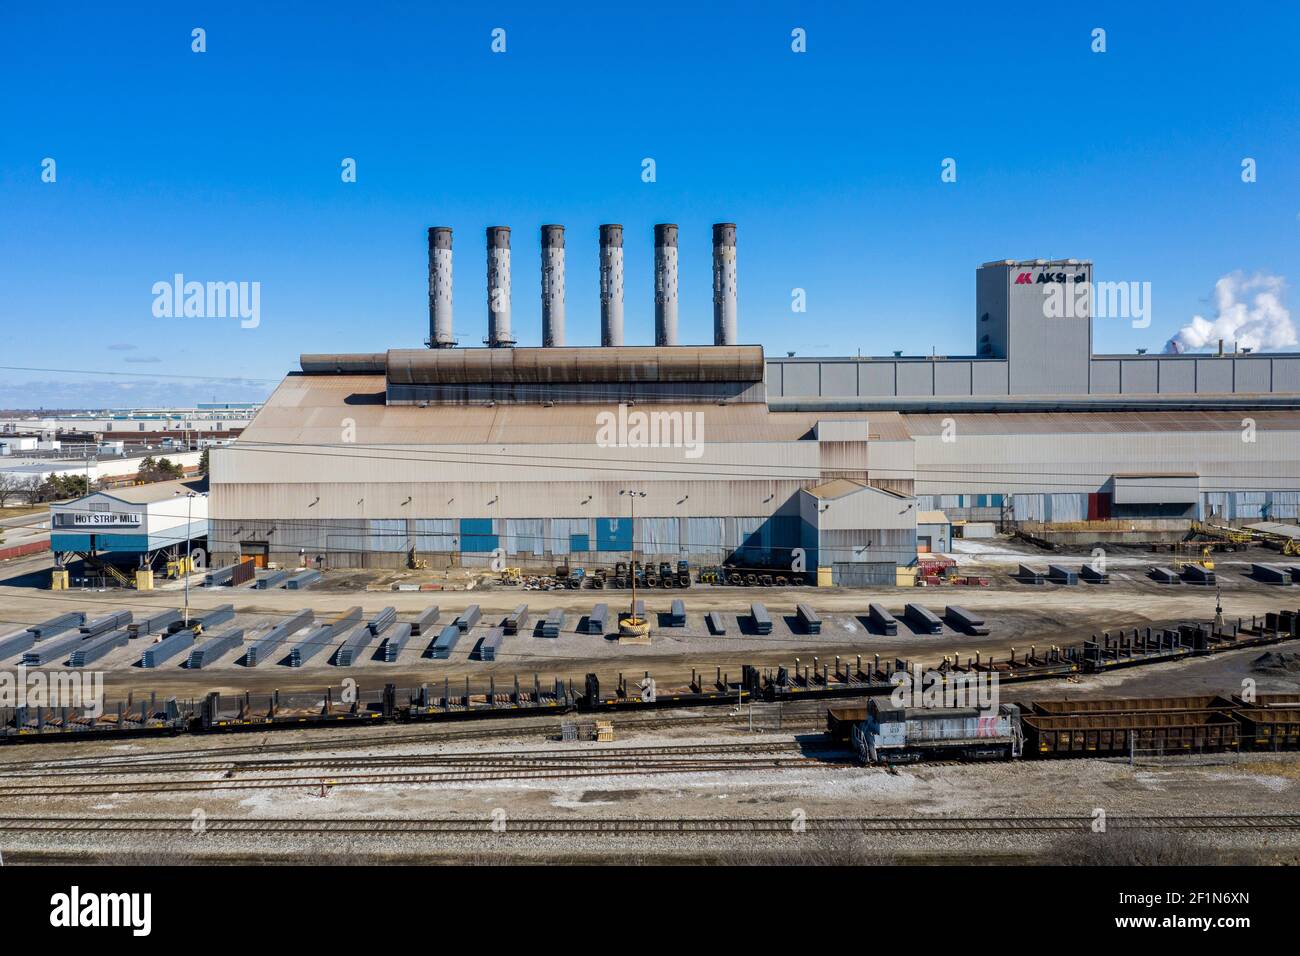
(1248, 312)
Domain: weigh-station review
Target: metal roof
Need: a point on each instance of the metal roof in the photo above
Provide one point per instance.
(1022, 423)
(314, 409)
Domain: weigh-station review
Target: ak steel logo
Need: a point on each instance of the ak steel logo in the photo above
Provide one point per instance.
(1027, 278)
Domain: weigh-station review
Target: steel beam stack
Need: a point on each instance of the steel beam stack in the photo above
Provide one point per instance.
(963, 620)
(553, 624)
(154, 623)
(516, 619)
(425, 621)
(881, 619)
(57, 625)
(716, 624)
(382, 621)
(52, 650)
(167, 648)
(677, 614)
(15, 643)
(215, 648)
(490, 646)
(302, 580)
(808, 619)
(761, 619)
(597, 621)
(206, 620)
(109, 622)
(316, 641)
(1092, 575)
(395, 641)
(468, 618)
(1165, 575)
(1028, 575)
(92, 649)
(923, 619)
(265, 646)
(271, 580)
(442, 646)
(354, 645)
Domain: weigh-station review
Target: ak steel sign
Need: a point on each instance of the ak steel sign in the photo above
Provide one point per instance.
(1030, 278)
(105, 519)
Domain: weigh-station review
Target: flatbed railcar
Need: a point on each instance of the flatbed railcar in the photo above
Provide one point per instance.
(1271, 721)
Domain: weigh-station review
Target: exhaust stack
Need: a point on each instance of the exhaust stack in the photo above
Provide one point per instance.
(498, 275)
(665, 284)
(552, 286)
(724, 283)
(440, 336)
(611, 285)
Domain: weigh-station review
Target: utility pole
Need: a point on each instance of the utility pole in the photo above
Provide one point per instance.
(632, 497)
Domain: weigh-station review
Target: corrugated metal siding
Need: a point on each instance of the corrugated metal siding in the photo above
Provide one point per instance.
(562, 530)
(436, 534)
(658, 535)
(389, 535)
(704, 537)
(525, 536)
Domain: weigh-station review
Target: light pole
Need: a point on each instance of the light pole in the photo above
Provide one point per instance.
(632, 497)
(185, 562)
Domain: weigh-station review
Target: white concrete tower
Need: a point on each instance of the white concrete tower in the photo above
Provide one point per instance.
(552, 286)
(611, 285)
(724, 283)
(498, 275)
(440, 335)
(665, 284)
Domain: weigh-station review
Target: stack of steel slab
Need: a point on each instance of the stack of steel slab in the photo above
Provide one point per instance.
(715, 622)
(553, 624)
(516, 619)
(1164, 575)
(808, 619)
(490, 647)
(1196, 574)
(302, 580)
(1270, 574)
(1029, 575)
(395, 640)
(53, 650)
(762, 621)
(468, 618)
(154, 623)
(1058, 574)
(208, 619)
(922, 619)
(354, 646)
(881, 619)
(1094, 575)
(382, 621)
(597, 621)
(345, 618)
(219, 577)
(271, 579)
(93, 648)
(167, 648)
(16, 643)
(425, 621)
(1294, 571)
(57, 625)
(109, 622)
(442, 646)
(265, 646)
(677, 615)
(963, 620)
(316, 641)
(215, 648)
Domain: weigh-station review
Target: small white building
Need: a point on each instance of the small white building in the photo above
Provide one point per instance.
(142, 519)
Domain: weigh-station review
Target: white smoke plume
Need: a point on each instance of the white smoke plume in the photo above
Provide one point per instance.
(1248, 312)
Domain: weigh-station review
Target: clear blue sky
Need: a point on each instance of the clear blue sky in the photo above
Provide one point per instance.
(225, 165)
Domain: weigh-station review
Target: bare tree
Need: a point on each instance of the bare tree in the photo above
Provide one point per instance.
(10, 485)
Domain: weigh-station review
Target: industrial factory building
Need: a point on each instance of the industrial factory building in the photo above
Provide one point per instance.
(710, 453)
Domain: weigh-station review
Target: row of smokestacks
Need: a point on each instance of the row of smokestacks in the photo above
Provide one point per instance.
(611, 286)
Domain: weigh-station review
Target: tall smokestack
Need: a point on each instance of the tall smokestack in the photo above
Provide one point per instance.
(552, 286)
(724, 283)
(440, 336)
(665, 284)
(498, 274)
(611, 285)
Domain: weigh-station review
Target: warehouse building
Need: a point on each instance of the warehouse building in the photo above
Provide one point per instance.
(456, 456)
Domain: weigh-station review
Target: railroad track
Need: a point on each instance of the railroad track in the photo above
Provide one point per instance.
(616, 826)
(813, 716)
(459, 768)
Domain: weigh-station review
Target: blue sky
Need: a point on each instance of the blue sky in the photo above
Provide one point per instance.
(225, 165)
